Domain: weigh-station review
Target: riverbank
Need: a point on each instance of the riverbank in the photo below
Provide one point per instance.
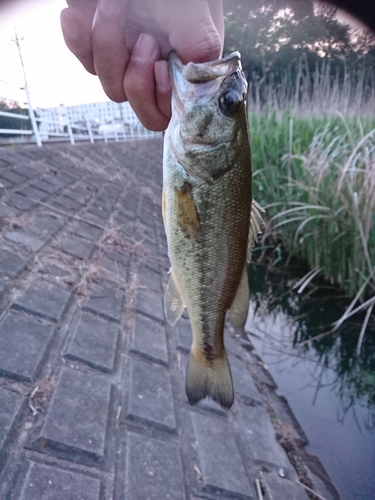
(92, 400)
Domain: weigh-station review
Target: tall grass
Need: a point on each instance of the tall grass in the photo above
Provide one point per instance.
(314, 170)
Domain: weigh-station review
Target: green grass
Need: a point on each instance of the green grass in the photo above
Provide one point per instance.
(314, 172)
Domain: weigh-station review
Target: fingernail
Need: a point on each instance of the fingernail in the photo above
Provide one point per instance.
(162, 77)
(145, 48)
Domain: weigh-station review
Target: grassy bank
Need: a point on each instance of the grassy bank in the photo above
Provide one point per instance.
(314, 171)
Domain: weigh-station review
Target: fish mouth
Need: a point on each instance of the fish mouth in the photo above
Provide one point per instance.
(200, 79)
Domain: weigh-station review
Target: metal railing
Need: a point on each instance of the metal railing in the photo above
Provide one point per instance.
(56, 124)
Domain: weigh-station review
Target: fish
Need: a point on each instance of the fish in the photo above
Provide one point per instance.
(210, 219)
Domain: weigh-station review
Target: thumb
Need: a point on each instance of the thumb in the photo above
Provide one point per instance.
(191, 29)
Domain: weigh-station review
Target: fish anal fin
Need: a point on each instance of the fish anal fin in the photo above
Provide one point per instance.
(240, 306)
(173, 304)
(212, 379)
(256, 227)
(187, 213)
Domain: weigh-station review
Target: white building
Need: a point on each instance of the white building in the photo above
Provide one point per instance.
(104, 118)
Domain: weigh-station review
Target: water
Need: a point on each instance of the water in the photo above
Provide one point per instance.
(329, 388)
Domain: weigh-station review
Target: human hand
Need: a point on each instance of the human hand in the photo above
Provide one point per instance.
(127, 42)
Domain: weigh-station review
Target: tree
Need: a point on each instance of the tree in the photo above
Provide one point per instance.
(273, 37)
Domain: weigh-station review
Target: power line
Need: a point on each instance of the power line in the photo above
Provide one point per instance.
(11, 85)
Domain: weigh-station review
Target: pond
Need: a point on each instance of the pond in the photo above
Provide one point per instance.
(330, 389)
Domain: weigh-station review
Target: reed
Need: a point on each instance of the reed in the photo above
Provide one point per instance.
(313, 153)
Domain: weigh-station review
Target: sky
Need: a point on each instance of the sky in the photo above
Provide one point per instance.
(54, 75)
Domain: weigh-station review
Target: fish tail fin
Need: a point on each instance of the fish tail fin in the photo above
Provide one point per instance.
(211, 379)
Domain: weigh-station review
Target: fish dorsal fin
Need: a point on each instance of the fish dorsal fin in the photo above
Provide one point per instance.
(256, 226)
(173, 304)
(240, 306)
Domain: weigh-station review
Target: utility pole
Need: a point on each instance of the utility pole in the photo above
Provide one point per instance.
(31, 111)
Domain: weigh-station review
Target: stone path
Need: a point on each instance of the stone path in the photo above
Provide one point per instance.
(92, 400)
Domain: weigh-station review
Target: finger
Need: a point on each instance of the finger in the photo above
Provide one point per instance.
(76, 27)
(163, 87)
(217, 16)
(110, 51)
(139, 83)
(190, 29)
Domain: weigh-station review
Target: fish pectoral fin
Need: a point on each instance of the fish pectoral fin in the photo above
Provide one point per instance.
(173, 304)
(187, 213)
(240, 306)
(213, 380)
(256, 226)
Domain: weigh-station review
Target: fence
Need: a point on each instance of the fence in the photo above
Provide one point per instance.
(106, 121)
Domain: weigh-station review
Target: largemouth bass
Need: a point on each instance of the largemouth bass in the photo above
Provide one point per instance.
(208, 216)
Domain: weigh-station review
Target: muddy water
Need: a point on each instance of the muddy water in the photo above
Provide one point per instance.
(330, 389)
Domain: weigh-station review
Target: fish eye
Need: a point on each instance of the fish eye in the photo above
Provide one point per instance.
(229, 102)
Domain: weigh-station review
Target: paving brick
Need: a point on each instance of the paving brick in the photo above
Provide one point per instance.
(47, 222)
(79, 194)
(29, 172)
(54, 270)
(272, 482)
(220, 462)
(147, 277)
(149, 340)
(148, 233)
(5, 183)
(184, 335)
(153, 469)
(45, 186)
(4, 293)
(120, 256)
(125, 217)
(20, 202)
(113, 266)
(105, 201)
(130, 201)
(13, 177)
(76, 246)
(67, 204)
(29, 239)
(24, 342)
(11, 264)
(281, 408)
(150, 303)
(94, 342)
(154, 264)
(243, 381)
(50, 483)
(99, 211)
(10, 404)
(55, 181)
(87, 231)
(34, 193)
(44, 298)
(260, 436)
(8, 211)
(106, 302)
(261, 371)
(150, 397)
(77, 417)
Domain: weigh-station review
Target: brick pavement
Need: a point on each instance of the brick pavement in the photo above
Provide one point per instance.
(92, 400)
